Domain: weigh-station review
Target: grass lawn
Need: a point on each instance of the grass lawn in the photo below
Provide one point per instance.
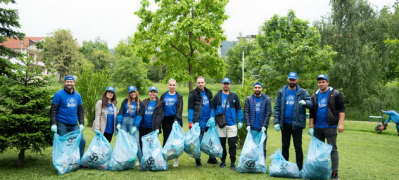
(363, 155)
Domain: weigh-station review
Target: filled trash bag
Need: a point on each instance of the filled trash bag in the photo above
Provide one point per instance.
(174, 146)
(66, 153)
(317, 162)
(210, 143)
(192, 141)
(124, 154)
(282, 168)
(252, 159)
(98, 154)
(153, 159)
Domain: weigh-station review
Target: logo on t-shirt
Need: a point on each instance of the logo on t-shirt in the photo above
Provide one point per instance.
(322, 102)
(224, 103)
(205, 100)
(131, 107)
(169, 101)
(290, 100)
(149, 110)
(258, 107)
(71, 102)
(110, 110)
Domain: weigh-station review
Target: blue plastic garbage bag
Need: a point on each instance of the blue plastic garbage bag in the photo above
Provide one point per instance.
(192, 141)
(282, 168)
(174, 146)
(210, 143)
(124, 154)
(252, 159)
(98, 154)
(153, 159)
(66, 153)
(317, 162)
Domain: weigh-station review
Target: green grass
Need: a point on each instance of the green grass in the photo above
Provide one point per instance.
(363, 155)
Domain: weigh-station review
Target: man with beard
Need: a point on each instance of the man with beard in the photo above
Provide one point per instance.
(290, 116)
(66, 110)
(257, 111)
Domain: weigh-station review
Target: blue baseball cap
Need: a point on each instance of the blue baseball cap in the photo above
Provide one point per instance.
(69, 77)
(292, 75)
(153, 88)
(322, 76)
(131, 88)
(258, 83)
(110, 88)
(226, 80)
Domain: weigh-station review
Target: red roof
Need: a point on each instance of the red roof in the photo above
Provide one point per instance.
(16, 44)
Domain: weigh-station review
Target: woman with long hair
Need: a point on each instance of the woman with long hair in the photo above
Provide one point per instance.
(173, 110)
(105, 119)
(130, 115)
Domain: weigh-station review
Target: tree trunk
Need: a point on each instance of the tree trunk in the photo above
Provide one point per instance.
(21, 158)
(190, 71)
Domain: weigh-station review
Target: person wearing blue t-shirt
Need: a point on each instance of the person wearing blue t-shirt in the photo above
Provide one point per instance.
(106, 111)
(290, 116)
(200, 111)
(173, 111)
(326, 116)
(66, 110)
(257, 110)
(228, 103)
(130, 115)
(393, 116)
(153, 114)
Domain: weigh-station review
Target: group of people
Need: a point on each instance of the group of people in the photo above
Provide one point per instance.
(326, 107)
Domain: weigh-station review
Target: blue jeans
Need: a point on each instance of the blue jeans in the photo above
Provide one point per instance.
(127, 125)
(63, 129)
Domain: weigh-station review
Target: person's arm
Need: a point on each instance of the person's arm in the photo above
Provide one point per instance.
(97, 115)
(341, 122)
(159, 113)
(341, 108)
(238, 109)
(81, 111)
(55, 105)
(247, 107)
(268, 112)
(190, 108)
(277, 109)
(311, 123)
(309, 102)
(139, 116)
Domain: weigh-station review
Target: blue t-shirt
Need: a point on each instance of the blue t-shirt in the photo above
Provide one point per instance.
(68, 110)
(206, 107)
(257, 125)
(109, 128)
(133, 111)
(147, 120)
(228, 111)
(290, 96)
(170, 103)
(321, 113)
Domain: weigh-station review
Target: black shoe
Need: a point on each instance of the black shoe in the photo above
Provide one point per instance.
(334, 175)
(233, 167)
(198, 163)
(222, 165)
(212, 161)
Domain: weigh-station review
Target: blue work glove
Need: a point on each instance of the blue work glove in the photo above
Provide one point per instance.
(81, 127)
(54, 128)
(302, 102)
(263, 129)
(277, 127)
(211, 122)
(118, 127)
(134, 129)
(248, 128)
(97, 132)
(239, 125)
(311, 131)
(157, 131)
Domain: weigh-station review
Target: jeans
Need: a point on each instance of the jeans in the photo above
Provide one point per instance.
(331, 135)
(296, 134)
(63, 129)
(127, 125)
(139, 152)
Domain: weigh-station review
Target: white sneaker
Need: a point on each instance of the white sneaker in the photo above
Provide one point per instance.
(176, 163)
(137, 163)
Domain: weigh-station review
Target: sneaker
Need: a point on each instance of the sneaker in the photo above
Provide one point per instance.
(198, 163)
(176, 163)
(212, 161)
(222, 165)
(233, 167)
(137, 163)
(334, 175)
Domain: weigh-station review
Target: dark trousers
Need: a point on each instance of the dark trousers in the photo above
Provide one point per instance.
(331, 135)
(167, 127)
(142, 132)
(296, 134)
(108, 136)
(232, 141)
(201, 136)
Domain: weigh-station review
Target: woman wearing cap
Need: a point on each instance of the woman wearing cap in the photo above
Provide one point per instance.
(130, 115)
(105, 119)
(173, 110)
(153, 113)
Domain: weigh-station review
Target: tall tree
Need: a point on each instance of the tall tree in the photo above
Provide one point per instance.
(291, 44)
(184, 35)
(97, 53)
(61, 52)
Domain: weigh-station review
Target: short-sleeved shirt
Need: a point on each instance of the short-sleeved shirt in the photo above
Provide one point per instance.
(206, 107)
(290, 96)
(170, 103)
(109, 128)
(147, 120)
(68, 106)
(228, 110)
(132, 113)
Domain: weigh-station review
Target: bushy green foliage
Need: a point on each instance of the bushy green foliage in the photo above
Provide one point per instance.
(234, 60)
(97, 53)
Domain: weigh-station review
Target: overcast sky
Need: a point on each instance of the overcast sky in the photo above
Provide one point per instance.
(114, 20)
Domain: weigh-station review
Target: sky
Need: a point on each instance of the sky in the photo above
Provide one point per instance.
(113, 21)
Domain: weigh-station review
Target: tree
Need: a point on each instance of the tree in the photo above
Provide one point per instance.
(61, 52)
(98, 54)
(184, 35)
(290, 44)
(392, 69)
